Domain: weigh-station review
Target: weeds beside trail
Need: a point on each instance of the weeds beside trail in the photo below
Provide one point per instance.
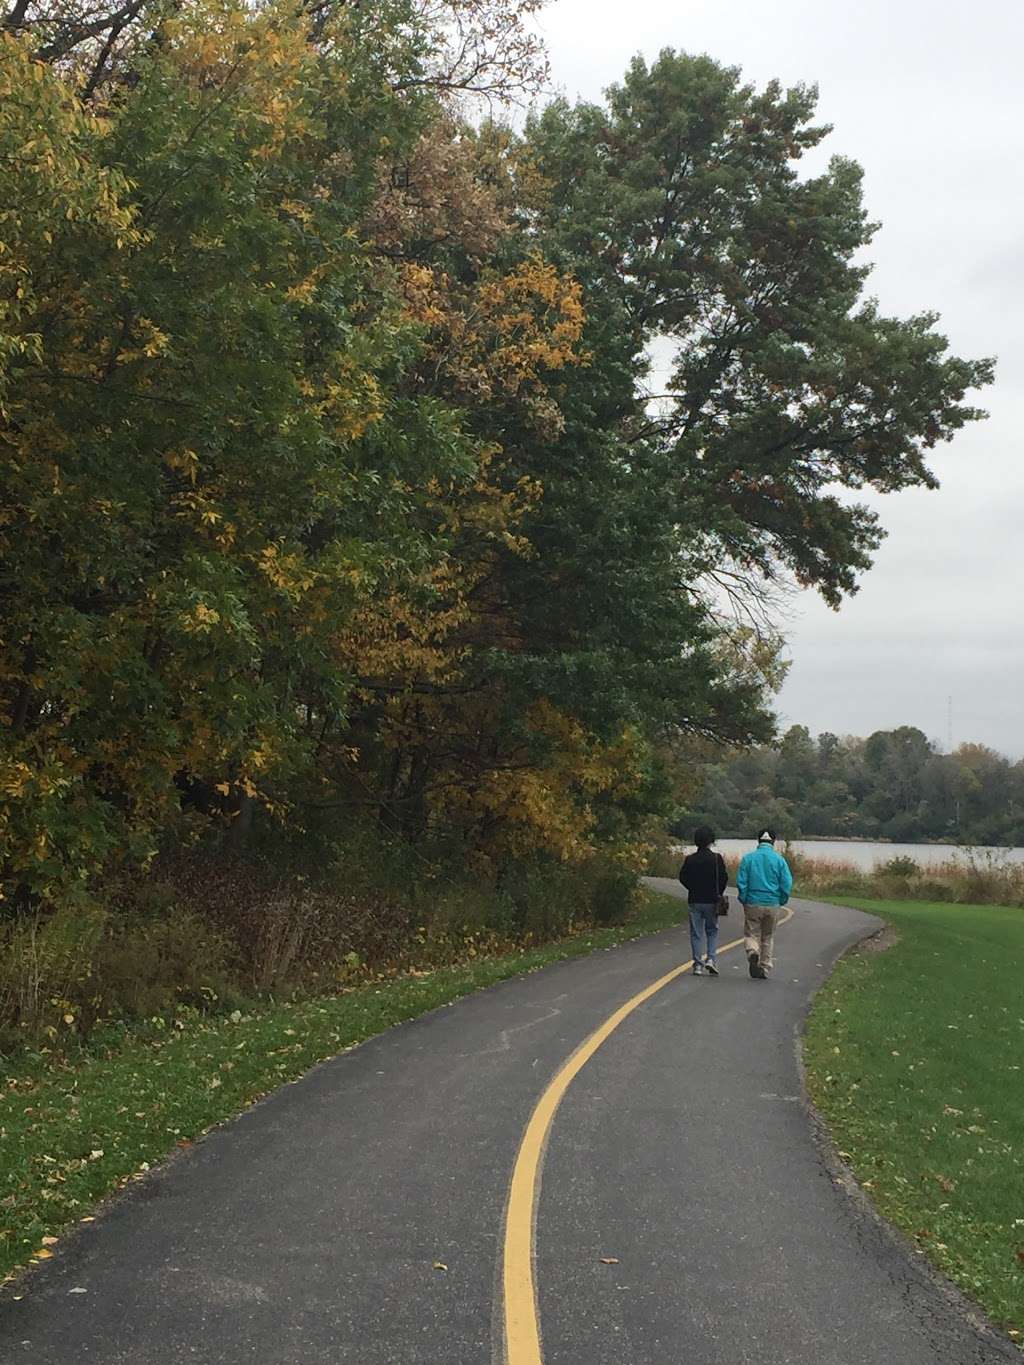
(915, 1056)
(76, 1128)
(205, 930)
(973, 877)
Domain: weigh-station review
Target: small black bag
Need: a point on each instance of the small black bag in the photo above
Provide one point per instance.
(723, 900)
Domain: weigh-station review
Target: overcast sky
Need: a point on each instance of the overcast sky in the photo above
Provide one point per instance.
(928, 96)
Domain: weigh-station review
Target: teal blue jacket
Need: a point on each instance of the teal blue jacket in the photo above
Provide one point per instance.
(764, 877)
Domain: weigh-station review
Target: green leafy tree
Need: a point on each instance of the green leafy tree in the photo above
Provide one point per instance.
(211, 459)
(333, 489)
(681, 204)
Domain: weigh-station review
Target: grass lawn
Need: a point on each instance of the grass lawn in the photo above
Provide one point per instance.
(72, 1129)
(915, 1056)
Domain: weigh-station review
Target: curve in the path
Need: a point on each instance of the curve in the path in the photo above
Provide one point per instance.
(522, 1340)
(310, 1229)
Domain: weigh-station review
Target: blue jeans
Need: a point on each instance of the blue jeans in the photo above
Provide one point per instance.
(703, 921)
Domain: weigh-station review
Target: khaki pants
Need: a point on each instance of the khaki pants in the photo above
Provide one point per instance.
(759, 923)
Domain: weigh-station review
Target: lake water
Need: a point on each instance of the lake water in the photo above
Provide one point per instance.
(866, 855)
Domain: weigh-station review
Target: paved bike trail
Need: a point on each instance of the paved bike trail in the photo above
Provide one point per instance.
(311, 1229)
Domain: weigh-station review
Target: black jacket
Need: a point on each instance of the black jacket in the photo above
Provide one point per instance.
(704, 876)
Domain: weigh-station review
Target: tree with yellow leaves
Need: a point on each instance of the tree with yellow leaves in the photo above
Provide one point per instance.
(330, 493)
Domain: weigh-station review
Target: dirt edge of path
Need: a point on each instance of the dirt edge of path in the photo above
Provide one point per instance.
(879, 942)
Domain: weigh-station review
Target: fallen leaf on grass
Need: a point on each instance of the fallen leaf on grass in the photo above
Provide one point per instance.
(48, 1241)
(43, 1254)
(609, 1260)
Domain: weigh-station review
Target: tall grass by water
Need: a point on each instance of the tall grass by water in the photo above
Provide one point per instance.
(970, 878)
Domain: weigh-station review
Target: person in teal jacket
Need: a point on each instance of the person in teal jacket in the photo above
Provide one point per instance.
(764, 882)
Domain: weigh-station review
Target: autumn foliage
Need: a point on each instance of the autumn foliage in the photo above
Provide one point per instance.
(331, 507)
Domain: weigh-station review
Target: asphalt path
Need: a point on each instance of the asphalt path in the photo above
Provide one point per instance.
(690, 1213)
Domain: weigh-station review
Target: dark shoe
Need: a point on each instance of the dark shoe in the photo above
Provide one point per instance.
(754, 963)
(761, 974)
(710, 967)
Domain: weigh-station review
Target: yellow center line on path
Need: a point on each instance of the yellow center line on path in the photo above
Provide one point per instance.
(522, 1324)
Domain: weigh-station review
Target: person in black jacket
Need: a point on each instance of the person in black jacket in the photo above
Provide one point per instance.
(705, 878)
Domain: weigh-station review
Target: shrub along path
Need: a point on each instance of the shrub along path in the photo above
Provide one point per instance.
(75, 1126)
(357, 1216)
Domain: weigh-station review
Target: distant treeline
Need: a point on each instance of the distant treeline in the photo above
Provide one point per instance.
(892, 785)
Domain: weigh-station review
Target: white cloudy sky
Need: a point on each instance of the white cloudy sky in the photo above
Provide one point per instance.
(927, 95)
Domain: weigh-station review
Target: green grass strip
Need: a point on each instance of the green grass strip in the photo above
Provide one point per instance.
(74, 1129)
(915, 1056)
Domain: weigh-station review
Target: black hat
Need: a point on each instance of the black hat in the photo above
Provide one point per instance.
(767, 836)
